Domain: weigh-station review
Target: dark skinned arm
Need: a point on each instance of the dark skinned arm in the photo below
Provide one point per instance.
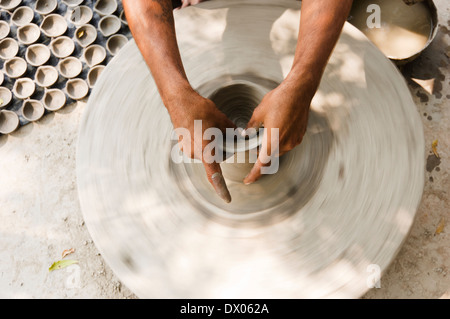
(320, 27)
(287, 106)
(160, 51)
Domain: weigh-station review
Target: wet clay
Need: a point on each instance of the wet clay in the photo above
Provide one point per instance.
(339, 202)
(404, 30)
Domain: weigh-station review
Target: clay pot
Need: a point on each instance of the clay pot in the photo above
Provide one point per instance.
(15, 67)
(37, 54)
(62, 47)
(109, 25)
(77, 89)
(4, 29)
(94, 54)
(94, 74)
(9, 4)
(70, 67)
(237, 100)
(45, 7)
(24, 88)
(123, 18)
(8, 48)
(105, 7)
(9, 122)
(81, 15)
(85, 35)
(72, 3)
(54, 99)
(32, 110)
(54, 25)
(5, 97)
(28, 34)
(115, 43)
(22, 15)
(46, 76)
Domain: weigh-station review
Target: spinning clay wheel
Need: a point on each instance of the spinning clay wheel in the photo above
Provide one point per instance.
(342, 200)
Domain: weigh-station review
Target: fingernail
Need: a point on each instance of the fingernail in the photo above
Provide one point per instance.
(221, 187)
(246, 183)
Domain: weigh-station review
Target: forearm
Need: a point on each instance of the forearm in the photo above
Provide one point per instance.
(321, 24)
(152, 25)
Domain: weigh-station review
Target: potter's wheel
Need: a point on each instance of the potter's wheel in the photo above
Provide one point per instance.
(341, 201)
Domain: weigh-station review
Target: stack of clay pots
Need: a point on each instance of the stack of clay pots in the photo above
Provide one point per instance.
(52, 53)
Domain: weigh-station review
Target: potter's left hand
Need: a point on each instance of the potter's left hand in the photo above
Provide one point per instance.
(285, 108)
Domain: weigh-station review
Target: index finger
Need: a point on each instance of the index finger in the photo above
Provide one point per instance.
(264, 159)
(215, 177)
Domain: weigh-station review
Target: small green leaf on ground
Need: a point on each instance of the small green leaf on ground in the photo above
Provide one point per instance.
(62, 264)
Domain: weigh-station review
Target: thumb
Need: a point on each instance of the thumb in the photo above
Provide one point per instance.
(215, 177)
(253, 125)
(254, 122)
(185, 3)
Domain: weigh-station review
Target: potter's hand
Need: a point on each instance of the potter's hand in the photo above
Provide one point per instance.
(184, 110)
(152, 26)
(285, 109)
(287, 106)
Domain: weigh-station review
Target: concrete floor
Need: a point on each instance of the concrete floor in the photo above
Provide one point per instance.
(41, 216)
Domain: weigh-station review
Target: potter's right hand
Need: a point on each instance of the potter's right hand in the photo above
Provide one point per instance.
(184, 109)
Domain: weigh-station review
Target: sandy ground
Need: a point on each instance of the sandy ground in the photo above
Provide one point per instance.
(40, 213)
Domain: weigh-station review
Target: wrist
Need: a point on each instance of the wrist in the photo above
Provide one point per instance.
(301, 86)
(174, 95)
(181, 103)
